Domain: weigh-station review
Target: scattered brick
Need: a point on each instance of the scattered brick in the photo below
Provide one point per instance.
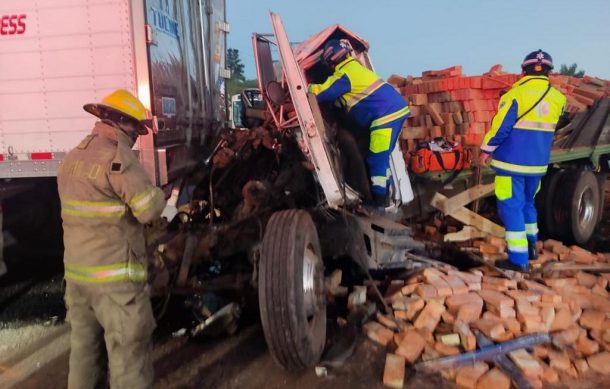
(357, 297)
(549, 375)
(495, 379)
(448, 317)
(470, 312)
(503, 312)
(410, 288)
(524, 295)
(585, 279)
(496, 299)
(450, 339)
(411, 346)
(430, 316)
(600, 362)
(457, 285)
(566, 338)
(541, 351)
(426, 291)
(586, 346)
(467, 376)
(491, 328)
(378, 333)
(563, 320)
(456, 301)
(467, 338)
(559, 360)
(592, 319)
(581, 366)
(528, 364)
(394, 372)
(446, 350)
(387, 321)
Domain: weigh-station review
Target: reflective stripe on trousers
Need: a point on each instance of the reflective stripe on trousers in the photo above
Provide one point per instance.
(516, 241)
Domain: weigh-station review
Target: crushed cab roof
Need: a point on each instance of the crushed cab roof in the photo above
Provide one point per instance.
(308, 52)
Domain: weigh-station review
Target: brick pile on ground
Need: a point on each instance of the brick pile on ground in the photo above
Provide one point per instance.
(446, 103)
(436, 313)
(493, 248)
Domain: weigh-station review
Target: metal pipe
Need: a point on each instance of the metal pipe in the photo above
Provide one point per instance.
(484, 354)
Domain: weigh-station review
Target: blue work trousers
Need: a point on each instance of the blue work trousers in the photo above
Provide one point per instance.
(515, 194)
(383, 140)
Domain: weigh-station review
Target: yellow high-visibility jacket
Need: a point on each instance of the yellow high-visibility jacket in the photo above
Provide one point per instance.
(523, 145)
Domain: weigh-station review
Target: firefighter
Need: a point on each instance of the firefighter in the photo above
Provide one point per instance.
(370, 103)
(518, 147)
(106, 198)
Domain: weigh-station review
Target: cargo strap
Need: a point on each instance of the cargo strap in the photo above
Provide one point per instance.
(122, 271)
(455, 171)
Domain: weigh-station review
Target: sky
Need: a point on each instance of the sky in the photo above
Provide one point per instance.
(407, 37)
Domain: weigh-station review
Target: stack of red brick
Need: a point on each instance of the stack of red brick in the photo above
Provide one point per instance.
(436, 312)
(447, 103)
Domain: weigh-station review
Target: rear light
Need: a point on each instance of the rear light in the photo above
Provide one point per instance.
(41, 156)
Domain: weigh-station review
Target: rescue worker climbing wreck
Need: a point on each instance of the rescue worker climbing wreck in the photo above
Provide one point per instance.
(370, 103)
(106, 197)
(518, 147)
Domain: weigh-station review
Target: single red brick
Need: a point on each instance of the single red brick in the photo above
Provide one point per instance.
(495, 379)
(394, 372)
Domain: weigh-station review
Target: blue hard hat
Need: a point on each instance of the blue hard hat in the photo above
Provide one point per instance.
(335, 51)
(538, 57)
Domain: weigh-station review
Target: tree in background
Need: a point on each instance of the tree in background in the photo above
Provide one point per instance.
(238, 80)
(571, 71)
(234, 64)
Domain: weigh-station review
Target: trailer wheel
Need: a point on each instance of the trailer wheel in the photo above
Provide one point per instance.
(545, 202)
(579, 210)
(291, 290)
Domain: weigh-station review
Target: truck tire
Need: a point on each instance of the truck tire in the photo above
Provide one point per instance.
(545, 202)
(578, 208)
(291, 290)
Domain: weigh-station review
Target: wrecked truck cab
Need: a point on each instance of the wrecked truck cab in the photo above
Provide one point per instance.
(335, 151)
(278, 204)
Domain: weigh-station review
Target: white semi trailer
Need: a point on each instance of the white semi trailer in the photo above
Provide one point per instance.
(56, 55)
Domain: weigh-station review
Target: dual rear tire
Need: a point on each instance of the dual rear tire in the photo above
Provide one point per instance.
(570, 204)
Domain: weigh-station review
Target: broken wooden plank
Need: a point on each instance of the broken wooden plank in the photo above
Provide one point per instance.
(452, 204)
(466, 233)
(469, 218)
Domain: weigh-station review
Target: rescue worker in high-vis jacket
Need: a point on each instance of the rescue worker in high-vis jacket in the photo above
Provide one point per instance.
(106, 198)
(518, 145)
(370, 102)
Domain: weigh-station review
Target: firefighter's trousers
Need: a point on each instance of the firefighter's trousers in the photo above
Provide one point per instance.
(123, 322)
(515, 194)
(383, 140)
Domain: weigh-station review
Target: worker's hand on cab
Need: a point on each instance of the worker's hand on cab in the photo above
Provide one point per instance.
(484, 159)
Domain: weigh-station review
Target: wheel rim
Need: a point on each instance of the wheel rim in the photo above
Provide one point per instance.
(312, 283)
(585, 208)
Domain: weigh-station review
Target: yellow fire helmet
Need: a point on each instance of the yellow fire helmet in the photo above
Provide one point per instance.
(125, 103)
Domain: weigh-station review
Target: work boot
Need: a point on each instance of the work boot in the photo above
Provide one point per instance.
(380, 200)
(508, 265)
(532, 252)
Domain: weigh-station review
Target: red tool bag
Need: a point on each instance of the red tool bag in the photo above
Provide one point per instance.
(440, 155)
